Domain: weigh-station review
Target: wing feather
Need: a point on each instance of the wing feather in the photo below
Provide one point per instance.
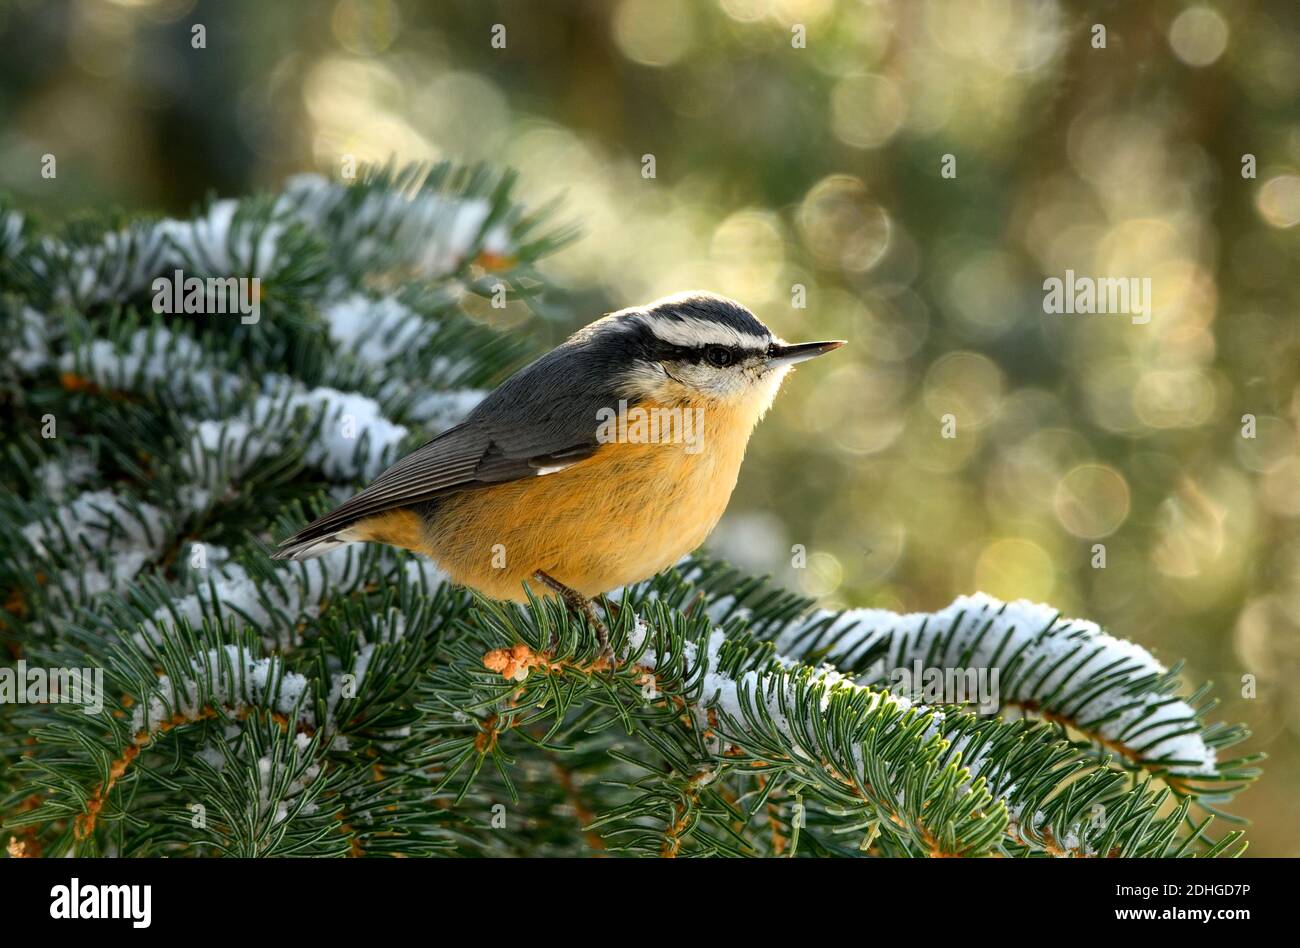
(539, 421)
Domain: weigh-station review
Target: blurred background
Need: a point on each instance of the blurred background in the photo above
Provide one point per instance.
(799, 156)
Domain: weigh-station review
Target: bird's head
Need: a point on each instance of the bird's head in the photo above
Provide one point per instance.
(698, 346)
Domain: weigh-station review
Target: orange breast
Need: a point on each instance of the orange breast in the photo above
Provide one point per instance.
(616, 518)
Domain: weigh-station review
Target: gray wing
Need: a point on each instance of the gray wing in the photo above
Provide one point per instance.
(542, 418)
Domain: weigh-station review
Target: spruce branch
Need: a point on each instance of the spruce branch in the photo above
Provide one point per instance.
(359, 705)
(952, 783)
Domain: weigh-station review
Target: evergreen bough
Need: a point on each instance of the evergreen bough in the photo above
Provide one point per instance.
(359, 705)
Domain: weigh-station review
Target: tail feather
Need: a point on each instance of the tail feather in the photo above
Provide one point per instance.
(299, 548)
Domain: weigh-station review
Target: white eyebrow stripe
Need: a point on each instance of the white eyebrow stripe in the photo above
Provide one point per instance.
(691, 332)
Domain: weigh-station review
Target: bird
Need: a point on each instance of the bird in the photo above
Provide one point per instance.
(594, 467)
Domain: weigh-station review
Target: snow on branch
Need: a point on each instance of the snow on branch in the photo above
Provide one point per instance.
(230, 677)
(355, 442)
(119, 265)
(233, 237)
(1068, 670)
(1119, 690)
(152, 360)
(431, 232)
(770, 696)
(729, 706)
(29, 341)
(274, 609)
(376, 331)
(99, 520)
(110, 538)
(276, 606)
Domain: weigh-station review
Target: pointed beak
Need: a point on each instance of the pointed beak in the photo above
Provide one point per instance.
(778, 355)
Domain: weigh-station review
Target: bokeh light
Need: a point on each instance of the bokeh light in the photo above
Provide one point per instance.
(1198, 35)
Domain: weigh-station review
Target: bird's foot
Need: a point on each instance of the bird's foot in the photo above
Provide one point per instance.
(580, 604)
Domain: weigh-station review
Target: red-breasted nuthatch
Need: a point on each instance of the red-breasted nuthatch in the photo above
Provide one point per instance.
(596, 466)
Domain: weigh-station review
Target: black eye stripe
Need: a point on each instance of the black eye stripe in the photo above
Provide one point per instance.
(697, 354)
(644, 344)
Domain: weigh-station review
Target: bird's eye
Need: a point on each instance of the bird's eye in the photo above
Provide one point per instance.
(718, 355)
